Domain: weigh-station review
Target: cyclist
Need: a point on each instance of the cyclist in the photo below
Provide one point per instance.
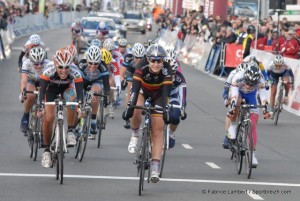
(176, 98)
(114, 67)
(245, 86)
(152, 80)
(34, 40)
(254, 62)
(130, 62)
(96, 42)
(30, 76)
(58, 78)
(95, 74)
(171, 54)
(147, 43)
(101, 31)
(240, 68)
(77, 31)
(72, 49)
(122, 46)
(278, 68)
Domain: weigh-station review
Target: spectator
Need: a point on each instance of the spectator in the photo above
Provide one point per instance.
(230, 36)
(291, 46)
(227, 22)
(269, 38)
(278, 41)
(248, 41)
(242, 34)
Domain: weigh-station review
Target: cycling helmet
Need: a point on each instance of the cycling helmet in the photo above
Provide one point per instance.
(278, 60)
(37, 54)
(156, 50)
(72, 49)
(148, 43)
(106, 56)
(171, 54)
(93, 54)
(96, 42)
(252, 76)
(35, 39)
(242, 67)
(253, 63)
(122, 42)
(109, 44)
(102, 25)
(174, 65)
(77, 21)
(128, 59)
(138, 50)
(251, 29)
(63, 58)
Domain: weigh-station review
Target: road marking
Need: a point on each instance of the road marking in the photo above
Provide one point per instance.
(21, 48)
(212, 165)
(187, 146)
(162, 179)
(254, 196)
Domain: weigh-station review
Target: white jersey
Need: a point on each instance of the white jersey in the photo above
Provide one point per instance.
(230, 76)
(32, 72)
(276, 69)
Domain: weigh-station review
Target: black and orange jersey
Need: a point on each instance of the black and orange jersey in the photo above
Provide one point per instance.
(156, 85)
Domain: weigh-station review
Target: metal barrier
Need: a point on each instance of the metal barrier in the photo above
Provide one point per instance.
(34, 23)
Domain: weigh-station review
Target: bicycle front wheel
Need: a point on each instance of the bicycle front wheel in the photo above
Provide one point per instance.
(163, 155)
(84, 137)
(36, 138)
(277, 108)
(143, 162)
(239, 149)
(60, 152)
(248, 143)
(100, 121)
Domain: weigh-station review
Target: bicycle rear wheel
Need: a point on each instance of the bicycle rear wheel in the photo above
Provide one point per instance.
(248, 142)
(30, 140)
(163, 155)
(100, 122)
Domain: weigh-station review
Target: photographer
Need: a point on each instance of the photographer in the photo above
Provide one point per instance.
(3, 26)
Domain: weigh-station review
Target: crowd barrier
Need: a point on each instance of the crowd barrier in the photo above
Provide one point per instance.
(34, 23)
(204, 56)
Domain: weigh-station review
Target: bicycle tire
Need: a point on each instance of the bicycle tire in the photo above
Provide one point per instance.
(100, 121)
(278, 106)
(36, 139)
(143, 161)
(248, 141)
(60, 154)
(239, 154)
(163, 156)
(84, 137)
(30, 139)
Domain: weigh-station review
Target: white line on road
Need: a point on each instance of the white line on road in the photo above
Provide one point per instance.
(254, 196)
(212, 165)
(187, 146)
(162, 179)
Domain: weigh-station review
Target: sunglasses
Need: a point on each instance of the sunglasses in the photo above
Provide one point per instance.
(153, 60)
(138, 57)
(93, 64)
(38, 64)
(122, 46)
(63, 67)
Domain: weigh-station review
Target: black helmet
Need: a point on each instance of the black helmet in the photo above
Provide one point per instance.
(148, 43)
(128, 59)
(252, 75)
(156, 51)
(251, 29)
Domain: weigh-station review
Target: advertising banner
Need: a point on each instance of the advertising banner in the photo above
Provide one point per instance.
(233, 55)
(246, 8)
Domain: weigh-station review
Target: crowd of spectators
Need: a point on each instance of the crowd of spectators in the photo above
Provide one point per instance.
(279, 37)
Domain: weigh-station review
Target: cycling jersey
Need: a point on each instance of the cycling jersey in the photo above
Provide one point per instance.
(178, 80)
(279, 71)
(33, 73)
(155, 85)
(52, 83)
(228, 84)
(76, 29)
(100, 75)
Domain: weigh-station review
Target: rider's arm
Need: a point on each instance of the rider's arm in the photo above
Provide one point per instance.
(167, 84)
(43, 84)
(263, 71)
(291, 75)
(21, 57)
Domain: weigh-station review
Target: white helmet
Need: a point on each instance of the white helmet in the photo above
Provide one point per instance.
(171, 54)
(174, 65)
(242, 67)
(102, 25)
(109, 44)
(138, 50)
(37, 55)
(77, 21)
(278, 60)
(122, 42)
(93, 54)
(96, 42)
(35, 39)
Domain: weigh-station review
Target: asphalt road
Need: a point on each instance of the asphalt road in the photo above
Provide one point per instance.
(196, 169)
